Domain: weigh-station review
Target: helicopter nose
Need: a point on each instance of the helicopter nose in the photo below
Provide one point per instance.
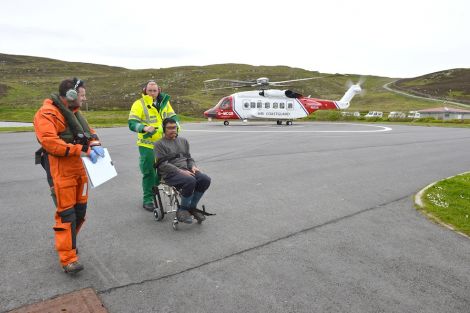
(210, 113)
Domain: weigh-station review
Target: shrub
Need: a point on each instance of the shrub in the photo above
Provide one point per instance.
(425, 120)
(327, 115)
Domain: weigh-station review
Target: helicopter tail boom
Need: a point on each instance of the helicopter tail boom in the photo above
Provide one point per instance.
(350, 93)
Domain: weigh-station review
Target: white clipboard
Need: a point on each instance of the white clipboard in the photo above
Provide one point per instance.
(101, 171)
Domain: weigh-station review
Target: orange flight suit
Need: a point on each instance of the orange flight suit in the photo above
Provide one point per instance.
(67, 178)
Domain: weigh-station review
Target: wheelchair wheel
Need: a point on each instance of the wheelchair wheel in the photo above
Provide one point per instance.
(157, 213)
(170, 199)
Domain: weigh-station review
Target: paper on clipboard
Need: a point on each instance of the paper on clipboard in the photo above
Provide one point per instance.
(101, 171)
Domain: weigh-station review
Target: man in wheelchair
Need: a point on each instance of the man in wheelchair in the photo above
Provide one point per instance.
(178, 169)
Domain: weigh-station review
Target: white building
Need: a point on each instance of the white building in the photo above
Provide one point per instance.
(445, 113)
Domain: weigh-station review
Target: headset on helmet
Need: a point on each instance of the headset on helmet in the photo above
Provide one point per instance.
(72, 94)
(166, 121)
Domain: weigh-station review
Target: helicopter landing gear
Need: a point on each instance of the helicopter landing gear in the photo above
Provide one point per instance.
(226, 123)
(288, 123)
(279, 122)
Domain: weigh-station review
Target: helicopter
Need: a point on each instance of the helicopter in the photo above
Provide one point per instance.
(272, 104)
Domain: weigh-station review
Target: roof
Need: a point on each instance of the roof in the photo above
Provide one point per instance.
(444, 110)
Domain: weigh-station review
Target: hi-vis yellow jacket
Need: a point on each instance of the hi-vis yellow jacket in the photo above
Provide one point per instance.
(144, 113)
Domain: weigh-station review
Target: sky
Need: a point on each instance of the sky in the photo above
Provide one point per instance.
(384, 38)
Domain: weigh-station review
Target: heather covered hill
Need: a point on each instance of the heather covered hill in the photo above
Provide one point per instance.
(453, 85)
(25, 81)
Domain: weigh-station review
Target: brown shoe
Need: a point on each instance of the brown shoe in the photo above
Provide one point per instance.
(184, 216)
(197, 215)
(73, 268)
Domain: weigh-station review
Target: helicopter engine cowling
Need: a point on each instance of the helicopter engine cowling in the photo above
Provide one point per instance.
(273, 93)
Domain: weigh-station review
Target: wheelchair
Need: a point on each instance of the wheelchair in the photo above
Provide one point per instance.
(167, 200)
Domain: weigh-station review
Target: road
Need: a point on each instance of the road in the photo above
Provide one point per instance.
(315, 217)
(441, 101)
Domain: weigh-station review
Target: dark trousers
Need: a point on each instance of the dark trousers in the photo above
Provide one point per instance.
(189, 184)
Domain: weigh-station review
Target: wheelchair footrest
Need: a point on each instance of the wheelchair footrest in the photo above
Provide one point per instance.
(203, 211)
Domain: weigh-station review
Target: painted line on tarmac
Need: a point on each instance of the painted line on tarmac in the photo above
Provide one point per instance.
(381, 129)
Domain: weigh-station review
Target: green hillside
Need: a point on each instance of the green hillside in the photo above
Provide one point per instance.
(453, 85)
(25, 81)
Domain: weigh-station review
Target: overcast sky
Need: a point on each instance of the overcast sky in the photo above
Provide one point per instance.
(386, 38)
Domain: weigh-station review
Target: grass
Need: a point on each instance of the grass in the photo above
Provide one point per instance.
(448, 201)
(16, 129)
(101, 118)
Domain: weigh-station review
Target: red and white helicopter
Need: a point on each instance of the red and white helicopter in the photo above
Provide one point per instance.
(273, 104)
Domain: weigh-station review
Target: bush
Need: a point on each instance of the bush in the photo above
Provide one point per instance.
(460, 121)
(373, 119)
(426, 120)
(327, 115)
(348, 118)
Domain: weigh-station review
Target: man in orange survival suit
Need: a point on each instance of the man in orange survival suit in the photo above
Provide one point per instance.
(65, 135)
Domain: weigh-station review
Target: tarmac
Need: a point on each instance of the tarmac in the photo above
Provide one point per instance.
(14, 124)
(314, 217)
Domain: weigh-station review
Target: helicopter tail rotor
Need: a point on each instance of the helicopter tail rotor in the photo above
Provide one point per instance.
(353, 90)
(360, 83)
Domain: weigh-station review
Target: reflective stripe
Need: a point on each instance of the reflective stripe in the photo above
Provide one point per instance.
(146, 112)
(85, 189)
(145, 141)
(134, 117)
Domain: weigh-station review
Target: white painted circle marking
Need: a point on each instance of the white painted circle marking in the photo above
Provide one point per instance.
(228, 130)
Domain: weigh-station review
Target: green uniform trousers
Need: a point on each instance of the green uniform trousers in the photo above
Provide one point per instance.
(150, 177)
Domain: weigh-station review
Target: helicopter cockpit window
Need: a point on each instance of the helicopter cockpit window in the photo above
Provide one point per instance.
(246, 104)
(282, 105)
(259, 105)
(267, 105)
(275, 105)
(225, 104)
(290, 105)
(253, 104)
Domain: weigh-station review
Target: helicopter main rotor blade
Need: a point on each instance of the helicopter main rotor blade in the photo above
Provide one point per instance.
(276, 85)
(294, 80)
(248, 82)
(227, 87)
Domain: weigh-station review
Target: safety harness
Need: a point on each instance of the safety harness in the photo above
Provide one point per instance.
(77, 131)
